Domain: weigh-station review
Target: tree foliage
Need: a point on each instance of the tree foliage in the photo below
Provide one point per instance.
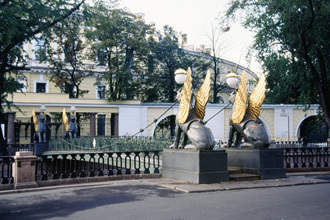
(292, 40)
(67, 58)
(21, 21)
(119, 41)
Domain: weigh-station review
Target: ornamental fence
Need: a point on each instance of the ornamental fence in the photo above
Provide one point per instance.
(78, 166)
(92, 164)
(6, 165)
(69, 160)
(303, 158)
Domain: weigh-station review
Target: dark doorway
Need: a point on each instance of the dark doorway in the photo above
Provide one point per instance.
(165, 128)
(313, 129)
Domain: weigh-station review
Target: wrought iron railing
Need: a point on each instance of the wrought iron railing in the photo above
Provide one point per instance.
(106, 144)
(6, 166)
(316, 157)
(298, 144)
(13, 148)
(91, 164)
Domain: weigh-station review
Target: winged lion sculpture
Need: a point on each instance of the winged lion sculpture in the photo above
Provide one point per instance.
(244, 121)
(189, 120)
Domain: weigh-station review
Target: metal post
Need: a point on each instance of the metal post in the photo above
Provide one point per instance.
(11, 131)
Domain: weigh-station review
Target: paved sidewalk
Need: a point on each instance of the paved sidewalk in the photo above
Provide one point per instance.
(292, 179)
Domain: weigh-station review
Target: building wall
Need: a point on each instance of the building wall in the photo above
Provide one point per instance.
(282, 121)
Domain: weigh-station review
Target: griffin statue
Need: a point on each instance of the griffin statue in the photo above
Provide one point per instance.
(244, 120)
(70, 126)
(190, 120)
(39, 126)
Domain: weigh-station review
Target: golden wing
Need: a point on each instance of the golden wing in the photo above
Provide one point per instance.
(240, 101)
(203, 96)
(185, 99)
(257, 98)
(65, 120)
(35, 120)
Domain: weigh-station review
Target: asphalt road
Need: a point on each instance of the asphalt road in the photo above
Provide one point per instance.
(136, 200)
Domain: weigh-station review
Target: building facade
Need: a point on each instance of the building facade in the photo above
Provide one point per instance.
(126, 118)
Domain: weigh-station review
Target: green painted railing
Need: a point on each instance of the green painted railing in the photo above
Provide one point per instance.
(109, 144)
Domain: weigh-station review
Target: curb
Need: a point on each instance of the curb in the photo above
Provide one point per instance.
(295, 179)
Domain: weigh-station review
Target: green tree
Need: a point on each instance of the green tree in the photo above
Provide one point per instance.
(21, 21)
(68, 73)
(292, 39)
(118, 39)
(169, 56)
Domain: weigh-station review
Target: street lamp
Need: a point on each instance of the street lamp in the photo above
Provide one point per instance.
(43, 108)
(180, 76)
(232, 80)
(73, 109)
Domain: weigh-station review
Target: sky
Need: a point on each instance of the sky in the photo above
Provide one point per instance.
(195, 18)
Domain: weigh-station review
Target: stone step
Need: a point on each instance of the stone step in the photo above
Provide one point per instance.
(234, 170)
(236, 174)
(243, 177)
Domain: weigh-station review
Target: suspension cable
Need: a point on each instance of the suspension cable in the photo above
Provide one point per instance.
(216, 113)
(155, 120)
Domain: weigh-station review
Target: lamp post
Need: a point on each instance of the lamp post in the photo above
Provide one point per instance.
(232, 80)
(180, 76)
(73, 109)
(43, 108)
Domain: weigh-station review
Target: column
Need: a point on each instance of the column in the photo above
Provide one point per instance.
(114, 124)
(92, 124)
(11, 128)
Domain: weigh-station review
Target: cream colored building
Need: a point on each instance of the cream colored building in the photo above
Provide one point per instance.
(128, 117)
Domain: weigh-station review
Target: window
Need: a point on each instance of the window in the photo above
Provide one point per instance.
(101, 92)
(41, 87)
(40, 49)
(101, 125)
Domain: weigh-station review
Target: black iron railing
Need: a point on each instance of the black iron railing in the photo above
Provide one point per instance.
(13, 148)
(310, 157)
(91, 164)
(299, 144)
(6, 166)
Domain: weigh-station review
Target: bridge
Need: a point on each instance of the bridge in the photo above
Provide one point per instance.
(283, 122)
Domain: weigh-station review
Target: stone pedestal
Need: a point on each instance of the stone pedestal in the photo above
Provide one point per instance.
(24, 170)
(195, 166)
(267, 163)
